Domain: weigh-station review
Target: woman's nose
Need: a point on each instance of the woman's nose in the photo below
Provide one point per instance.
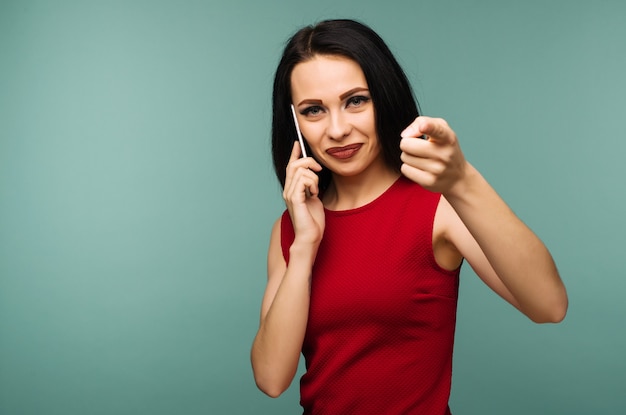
(338, 126)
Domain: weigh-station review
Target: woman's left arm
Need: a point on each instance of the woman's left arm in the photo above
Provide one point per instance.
(502, 250)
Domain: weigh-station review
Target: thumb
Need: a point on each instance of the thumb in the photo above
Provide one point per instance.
(436, 130)
(414, 129)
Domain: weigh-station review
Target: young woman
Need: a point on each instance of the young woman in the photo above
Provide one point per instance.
(363, 266)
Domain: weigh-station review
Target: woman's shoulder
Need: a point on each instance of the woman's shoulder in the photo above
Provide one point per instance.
(283, 233)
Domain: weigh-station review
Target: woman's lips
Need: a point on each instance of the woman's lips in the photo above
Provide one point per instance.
(344, 152)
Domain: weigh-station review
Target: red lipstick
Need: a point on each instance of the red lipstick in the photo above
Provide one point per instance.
(344, 152)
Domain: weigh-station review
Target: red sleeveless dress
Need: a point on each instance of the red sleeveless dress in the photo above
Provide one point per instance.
(380, 332)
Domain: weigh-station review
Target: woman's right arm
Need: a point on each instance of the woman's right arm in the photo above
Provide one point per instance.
(284, 314)
(284, 311)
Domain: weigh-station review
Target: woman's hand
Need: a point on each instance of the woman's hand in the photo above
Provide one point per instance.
(436, 163)
(301, 196)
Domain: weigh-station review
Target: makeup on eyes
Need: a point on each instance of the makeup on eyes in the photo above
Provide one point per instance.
(300, 140)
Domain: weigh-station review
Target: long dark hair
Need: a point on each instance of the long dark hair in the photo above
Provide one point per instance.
(392, 96)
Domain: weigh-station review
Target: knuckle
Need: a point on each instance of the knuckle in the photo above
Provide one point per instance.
(439, 169)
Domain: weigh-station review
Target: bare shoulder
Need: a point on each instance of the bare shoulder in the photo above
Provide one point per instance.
(275, 257)
(276, 266)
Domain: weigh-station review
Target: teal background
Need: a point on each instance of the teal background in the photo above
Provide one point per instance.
(137, 195)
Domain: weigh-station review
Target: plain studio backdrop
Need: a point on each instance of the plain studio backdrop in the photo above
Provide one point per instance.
(137, 195)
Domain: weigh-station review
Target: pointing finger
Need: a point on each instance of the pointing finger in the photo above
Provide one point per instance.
(436, 129)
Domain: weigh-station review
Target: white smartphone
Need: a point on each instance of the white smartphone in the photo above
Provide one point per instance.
(295, 120)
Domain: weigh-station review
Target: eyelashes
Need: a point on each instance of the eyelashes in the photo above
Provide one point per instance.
(358, 100)
(312, 110)
(355, 101)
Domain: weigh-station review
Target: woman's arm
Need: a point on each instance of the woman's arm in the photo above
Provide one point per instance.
(284, 311)
(502, 250)
(284, 314)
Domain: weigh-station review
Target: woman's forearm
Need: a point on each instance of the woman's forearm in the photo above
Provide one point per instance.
(278, 343)
(519, 258)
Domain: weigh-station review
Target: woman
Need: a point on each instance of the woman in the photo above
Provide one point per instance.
(363, 265)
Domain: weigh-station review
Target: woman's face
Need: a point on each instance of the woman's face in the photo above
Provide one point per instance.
(336, 113)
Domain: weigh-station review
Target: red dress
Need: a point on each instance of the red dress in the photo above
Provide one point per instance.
(382, 315)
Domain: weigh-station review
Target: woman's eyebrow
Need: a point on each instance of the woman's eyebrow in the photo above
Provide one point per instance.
(341, 97)
(310, 102)
(352, 91)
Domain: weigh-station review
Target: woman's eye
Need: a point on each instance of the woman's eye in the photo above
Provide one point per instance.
(357, 101)
(313, 111)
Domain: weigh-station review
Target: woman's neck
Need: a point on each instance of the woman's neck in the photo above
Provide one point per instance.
(350, 192)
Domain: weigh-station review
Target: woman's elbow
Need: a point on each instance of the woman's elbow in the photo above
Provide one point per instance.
(272, 393)
(272, 389)
(553, 314)
(558, 314)
(268, 379)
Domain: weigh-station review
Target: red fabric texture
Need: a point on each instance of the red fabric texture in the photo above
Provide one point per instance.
(380, 333)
